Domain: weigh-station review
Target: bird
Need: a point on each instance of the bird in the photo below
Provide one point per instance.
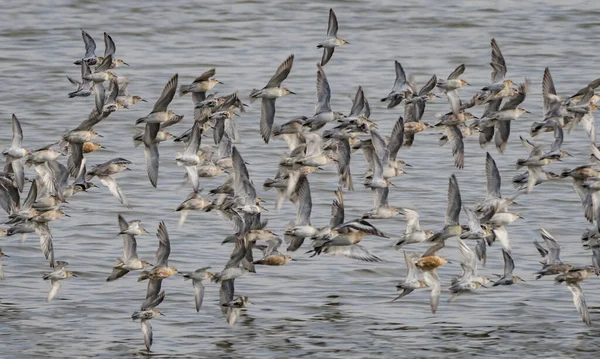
(331, 41)
(572, 279)
(271, 92)
(411, 282)
(509, 265)
(16, 153)
(200, 86)
(198, 277)
(413, 233)
(130, 260)
(157, 116)
(55, 277)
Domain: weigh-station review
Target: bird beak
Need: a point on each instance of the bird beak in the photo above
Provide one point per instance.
(103, 147)
(99, 135)
(9, 256)
(294, 260)
(475, 118)
(521, 216)
(126, 64)
(161, 313)
(144, 100)
(407, 165)
(527, 111)
(523, 280)
(483, 286)
(66, 215)
(219, 82)
(293, 93)
(467, 84)
(437, 96)
(74, 275)
(449, 262)
(127, 169)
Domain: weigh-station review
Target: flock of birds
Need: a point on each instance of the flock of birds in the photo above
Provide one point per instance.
(310, 149)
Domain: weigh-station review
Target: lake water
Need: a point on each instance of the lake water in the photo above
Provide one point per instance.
(324, 307)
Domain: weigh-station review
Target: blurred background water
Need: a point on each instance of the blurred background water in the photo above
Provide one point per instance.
(324, 307)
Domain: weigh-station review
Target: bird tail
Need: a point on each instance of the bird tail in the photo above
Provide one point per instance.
(254, 95)
(183, 89)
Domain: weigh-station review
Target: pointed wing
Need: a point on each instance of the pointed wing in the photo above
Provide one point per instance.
(337, 209)
(579, 301)
(109, 45)
(164, 246)
(498, 64)
(327, 53)
(90, 45)
(433, 282)
(147, 332)
(304, 201)
(492, 176)
(552, 245)
(205, 76)
(323, 91)
(198, 293)
(396, 139)
(166, 96)
(457, 72)
(114, 189)
(17, 133)
(400, 77)
(282, 72)
(412, 220)
(454, 202)
(428, 86)
(509, 264)
(267, 117)
(355, 251)
(358, 103)
(332, 26)
(455, 138)
(411, 268)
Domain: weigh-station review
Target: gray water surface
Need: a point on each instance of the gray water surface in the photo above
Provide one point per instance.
(324, 307)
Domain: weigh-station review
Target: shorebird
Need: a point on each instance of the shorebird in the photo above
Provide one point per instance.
(331, 41)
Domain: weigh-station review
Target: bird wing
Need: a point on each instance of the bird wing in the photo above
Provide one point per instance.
(509, 264)
(494, 182)
(455, 138)
(164, 246)
(17, 133)
(433, 282)
(457, 72)
(552, 245)
(337, 209)
(579, 301)
(354, 251)
(109, 45)
(282, 72)
(147, 332)
(90, 45)
(454, 202)
(412, 220)
(323, 91)
(327, 53)
(498, 64)
(205, 76)
(396, 139)
(400, 77)
(304, 201)
(332, 26)
(267, 117)
(428, 86)
(166, 96)
(114, 189)
(198, 293)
